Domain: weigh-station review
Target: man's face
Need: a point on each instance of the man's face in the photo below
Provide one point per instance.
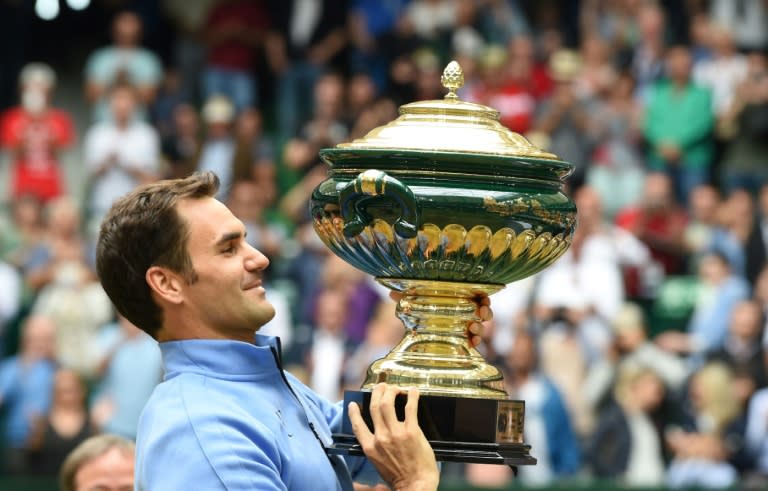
(112, 471)
(123, 104)
(228, 296)
(127, 29)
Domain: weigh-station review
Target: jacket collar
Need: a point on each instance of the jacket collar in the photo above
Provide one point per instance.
(222, 357)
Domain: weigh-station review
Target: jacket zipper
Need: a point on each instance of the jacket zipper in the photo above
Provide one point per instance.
(278, 361)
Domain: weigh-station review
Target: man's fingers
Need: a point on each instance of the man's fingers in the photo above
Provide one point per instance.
(387, 407)
(360, 429)
(375, 406)
(475, 328)
(485, 312)
(412, 407)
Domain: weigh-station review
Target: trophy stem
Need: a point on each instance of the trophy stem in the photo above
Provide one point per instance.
(435, 355)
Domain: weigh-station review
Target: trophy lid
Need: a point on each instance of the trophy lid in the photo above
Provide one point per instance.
(449, 125)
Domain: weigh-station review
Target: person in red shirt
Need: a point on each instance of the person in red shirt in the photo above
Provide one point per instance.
(503, 87)
(34, 133)
(659, 222)
(233, 30)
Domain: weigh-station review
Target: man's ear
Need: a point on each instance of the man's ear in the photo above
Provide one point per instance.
(166, 284)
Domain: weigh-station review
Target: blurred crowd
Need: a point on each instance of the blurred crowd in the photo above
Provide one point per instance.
(641, 354)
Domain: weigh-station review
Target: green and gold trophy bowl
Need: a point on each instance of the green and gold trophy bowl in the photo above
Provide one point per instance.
(446, 206)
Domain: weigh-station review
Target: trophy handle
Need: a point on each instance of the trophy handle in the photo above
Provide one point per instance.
(373, 183)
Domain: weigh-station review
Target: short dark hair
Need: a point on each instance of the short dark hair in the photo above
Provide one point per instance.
(141, 230)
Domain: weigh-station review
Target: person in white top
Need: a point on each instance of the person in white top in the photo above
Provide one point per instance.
(723, 72)
(120, 154)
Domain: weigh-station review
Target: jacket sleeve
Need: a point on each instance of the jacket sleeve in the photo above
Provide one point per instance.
(182, 446)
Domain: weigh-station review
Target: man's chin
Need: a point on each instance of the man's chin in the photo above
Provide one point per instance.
(261, 318)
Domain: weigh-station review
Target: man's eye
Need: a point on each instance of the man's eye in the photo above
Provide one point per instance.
(229, 250)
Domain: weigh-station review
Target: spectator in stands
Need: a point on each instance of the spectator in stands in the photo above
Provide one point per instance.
(298, 49)
(169, 97)
(616, 22)
(658, 221)
(75, 301)
(755, 242)
(616, 168)
(35, 133)
(124, 62)
(584, 287)
(596, 72)
(254, 153)
(626, 445)
(120, 153)
(712, 434)
(328, 350)
(325, 128)
(66, 425)
(647, 50)
(703, 205)
(757, 435)
(746, 19)
(61, 244)
(371, 26)
(742, 349)
(361, 95)
(721, 291)
(548, 425)
(678, 126)
(26, 383)
(362, 293)
(101, 462)
(247, 202)
(383, 332)
(431, 19)
(504, 88)
(128, 371)
(632, 347)
(23, 232)
(744, 125)
(232, 32)
(564, 117)
(700, 35)
(502, 21)
(760, 296)
(738, 218)
(181, 149)
(722, 73)
(218, 148)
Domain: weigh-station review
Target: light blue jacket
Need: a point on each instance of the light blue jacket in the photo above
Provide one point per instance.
(226, 416)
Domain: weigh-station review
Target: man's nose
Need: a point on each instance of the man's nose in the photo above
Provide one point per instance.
(255, 260)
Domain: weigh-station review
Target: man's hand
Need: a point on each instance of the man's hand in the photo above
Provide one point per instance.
(475, 329)
(398, 449)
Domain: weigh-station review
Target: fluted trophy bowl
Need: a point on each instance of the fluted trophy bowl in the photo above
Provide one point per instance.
(445, 205)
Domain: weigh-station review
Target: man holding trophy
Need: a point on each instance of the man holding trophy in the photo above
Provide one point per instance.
(444, 227)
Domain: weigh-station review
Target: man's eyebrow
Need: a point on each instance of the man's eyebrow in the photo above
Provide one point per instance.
(228, 236)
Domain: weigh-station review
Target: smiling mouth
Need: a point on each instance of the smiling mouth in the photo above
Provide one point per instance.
(254, 285)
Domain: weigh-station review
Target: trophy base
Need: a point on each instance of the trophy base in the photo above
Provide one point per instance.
(459, 429)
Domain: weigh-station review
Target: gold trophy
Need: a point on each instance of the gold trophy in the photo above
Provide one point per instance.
(447, 206)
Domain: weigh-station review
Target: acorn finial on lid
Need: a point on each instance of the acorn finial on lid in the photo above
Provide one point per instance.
(452, 79)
